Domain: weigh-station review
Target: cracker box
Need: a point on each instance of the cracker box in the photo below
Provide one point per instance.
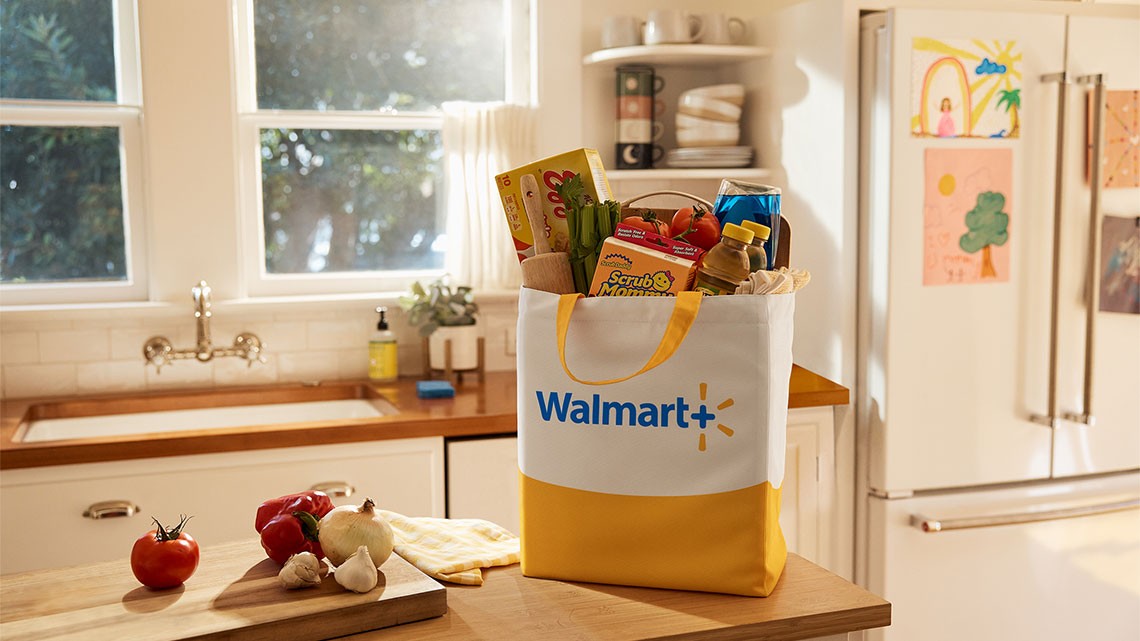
(627, 269)
(548, 173)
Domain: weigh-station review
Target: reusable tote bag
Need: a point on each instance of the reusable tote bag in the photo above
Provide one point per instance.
(651, 439)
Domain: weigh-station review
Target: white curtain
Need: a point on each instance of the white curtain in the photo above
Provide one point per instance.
(481, 140)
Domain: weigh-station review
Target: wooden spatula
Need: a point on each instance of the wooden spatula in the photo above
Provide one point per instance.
(546, 271)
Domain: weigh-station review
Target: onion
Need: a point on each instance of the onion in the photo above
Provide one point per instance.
(344, 529)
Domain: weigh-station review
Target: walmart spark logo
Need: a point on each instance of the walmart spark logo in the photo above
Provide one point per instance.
(569, 408)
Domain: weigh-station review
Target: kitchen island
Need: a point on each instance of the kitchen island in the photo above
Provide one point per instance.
(235, 595)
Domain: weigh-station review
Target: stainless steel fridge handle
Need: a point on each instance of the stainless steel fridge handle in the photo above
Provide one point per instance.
(1050, 418)
(1092, 273)
(932, 525)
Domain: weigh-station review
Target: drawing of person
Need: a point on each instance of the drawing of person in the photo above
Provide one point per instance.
(945, 122)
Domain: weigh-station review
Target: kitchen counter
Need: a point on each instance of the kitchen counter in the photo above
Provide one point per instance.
(477, 409)
(235, 594)
(808, 602)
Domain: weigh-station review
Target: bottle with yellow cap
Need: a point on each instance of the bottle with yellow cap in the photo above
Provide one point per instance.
(726, 264)
(757, 257)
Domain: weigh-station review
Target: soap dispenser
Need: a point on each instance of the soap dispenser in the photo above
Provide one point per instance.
(382, 351)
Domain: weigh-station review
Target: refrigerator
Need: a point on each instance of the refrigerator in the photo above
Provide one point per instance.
(998, 406)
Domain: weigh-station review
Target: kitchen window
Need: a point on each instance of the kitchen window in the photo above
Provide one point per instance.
(71, 220)
(339, 132)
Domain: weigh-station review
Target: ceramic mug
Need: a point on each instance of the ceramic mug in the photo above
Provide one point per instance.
(671, 26)
(640, 130)
(720, 29)
(621, 31)
(634, 155)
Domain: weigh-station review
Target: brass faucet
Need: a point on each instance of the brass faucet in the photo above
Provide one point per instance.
(159, 351)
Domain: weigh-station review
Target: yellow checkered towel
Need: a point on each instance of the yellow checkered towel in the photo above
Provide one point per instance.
(452, 550)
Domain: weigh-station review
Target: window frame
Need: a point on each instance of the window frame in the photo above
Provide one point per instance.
(125, 114)
(255, 281)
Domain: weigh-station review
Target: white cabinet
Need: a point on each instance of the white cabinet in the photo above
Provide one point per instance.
(44, 526)
(482, 481)
(808, 493)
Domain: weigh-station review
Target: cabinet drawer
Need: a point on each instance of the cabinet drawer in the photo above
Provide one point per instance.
(44, 526)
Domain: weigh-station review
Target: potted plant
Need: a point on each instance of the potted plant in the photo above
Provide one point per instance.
(442, 313)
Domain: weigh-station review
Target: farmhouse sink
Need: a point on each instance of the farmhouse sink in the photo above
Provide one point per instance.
(201, 410)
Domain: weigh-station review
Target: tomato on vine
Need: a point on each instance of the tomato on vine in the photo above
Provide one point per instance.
(697, 226)
(165, 557)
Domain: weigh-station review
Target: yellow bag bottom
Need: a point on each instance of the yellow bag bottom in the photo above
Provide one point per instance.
(727, 542)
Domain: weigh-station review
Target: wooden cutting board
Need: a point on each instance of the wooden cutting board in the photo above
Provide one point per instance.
(234, 592)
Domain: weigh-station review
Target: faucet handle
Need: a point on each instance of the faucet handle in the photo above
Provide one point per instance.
(250, 347)
(157, 351)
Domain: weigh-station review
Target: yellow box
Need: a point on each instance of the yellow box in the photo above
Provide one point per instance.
(548, 174)
(626, 269)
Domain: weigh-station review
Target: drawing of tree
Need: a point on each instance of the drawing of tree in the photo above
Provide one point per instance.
(988, 227)
(1011, 98)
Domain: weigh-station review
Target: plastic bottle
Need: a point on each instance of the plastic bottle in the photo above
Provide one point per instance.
(757, 257)
(726, 264)
(382, 363)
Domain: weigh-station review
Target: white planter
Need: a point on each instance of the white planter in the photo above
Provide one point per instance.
(464, 347)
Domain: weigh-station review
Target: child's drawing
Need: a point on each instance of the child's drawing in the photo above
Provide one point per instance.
(965, 88)
(966, 218)
(1120, 265)
(1120, 163)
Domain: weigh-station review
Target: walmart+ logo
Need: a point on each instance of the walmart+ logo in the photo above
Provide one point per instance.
(567, 407)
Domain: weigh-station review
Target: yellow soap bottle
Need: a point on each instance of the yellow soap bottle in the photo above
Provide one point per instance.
(382, 363)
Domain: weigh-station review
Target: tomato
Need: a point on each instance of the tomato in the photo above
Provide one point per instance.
(647, 221)
(165, 557)
(696, 226)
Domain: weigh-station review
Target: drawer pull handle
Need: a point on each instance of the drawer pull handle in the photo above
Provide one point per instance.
(335, 489)
(110, 509)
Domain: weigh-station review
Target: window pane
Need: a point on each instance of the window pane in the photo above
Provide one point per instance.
(57, 49)
(61, 206)
(408, 55)
(345, 200)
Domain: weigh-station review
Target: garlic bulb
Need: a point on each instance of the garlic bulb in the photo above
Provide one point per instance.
(346, 528)
(357, 573)
(302, 570)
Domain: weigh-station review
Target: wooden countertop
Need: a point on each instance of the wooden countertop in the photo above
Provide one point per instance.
(477, 409)
(234, 594)
(808, 602)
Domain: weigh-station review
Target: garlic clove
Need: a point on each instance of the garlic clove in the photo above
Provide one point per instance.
(357, 573)
(302, 570)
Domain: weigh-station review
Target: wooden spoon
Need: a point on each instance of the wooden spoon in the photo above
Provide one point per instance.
(546, 271)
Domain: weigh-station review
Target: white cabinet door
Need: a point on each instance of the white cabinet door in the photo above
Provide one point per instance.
(483, 480)
(44, 526)
(807, 493)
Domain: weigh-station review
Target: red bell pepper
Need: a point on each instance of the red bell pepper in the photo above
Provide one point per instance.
(288, 524)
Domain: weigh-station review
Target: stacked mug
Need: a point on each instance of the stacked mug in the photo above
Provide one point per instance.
(637, 87)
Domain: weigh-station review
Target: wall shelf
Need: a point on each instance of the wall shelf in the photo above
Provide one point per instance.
(740, 173)
(690, 55)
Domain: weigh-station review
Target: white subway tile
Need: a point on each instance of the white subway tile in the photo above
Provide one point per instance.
(111, 376)
(19, 347)
(338, 334)
(75, 346)
(353, 363)
(282, 336)
(39, 380)
(186, 373)
(127, 343)
(307, 366)
(237, 371)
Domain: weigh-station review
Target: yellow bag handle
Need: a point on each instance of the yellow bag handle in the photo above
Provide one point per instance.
(684, 314)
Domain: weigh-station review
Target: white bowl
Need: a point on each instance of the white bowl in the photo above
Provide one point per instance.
(733, 93)
(708, 136)
(710, 108)
(685, 121)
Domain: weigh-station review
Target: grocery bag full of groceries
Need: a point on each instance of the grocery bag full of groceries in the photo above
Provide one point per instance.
(652, 413)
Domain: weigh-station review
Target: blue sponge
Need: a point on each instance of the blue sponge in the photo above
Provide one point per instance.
(434, 389)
